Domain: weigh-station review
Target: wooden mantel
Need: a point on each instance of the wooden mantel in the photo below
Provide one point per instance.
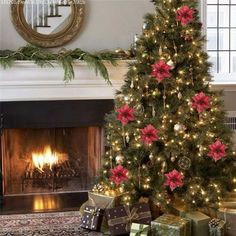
(25, 81)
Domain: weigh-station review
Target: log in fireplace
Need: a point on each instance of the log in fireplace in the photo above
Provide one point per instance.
(51, 146)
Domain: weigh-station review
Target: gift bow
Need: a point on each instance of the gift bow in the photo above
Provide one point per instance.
(93, 212)
(130, 216)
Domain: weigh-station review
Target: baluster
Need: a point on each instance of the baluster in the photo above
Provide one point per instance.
(38, 12)
(43, 13)
(54, 9)
(32, 15)
(49, 9)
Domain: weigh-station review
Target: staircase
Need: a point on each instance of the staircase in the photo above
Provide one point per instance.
(48, 17)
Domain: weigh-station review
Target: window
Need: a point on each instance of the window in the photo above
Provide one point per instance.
(221, 35)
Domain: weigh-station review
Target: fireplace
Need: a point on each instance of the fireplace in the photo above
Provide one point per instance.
(51, 146)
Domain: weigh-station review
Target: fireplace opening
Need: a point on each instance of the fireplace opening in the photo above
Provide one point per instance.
(50, 160)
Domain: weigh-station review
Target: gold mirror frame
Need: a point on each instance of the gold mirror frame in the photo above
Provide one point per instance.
(43, 40)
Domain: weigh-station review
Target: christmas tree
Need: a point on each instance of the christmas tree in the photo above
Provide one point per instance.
(166, 136)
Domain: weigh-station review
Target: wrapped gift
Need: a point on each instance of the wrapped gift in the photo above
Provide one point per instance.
(139, 230)
(217, 227)
(143, 212)
(171, 225)
(103, 201)
(229, 216)
(200, 223)
(120, 218)
(92, 218)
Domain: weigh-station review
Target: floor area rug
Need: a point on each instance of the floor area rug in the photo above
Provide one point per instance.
(46, 224)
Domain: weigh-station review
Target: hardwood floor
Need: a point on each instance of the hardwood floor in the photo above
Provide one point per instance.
(43, 203)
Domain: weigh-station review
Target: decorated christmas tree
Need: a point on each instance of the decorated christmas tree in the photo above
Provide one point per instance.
(166, 137)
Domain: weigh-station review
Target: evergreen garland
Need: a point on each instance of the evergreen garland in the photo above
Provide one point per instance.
(64, 58)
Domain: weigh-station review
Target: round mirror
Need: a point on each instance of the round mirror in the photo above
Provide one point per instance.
(47, 23)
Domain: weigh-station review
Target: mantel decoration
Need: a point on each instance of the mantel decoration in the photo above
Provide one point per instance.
(64, 58)
(49, 23)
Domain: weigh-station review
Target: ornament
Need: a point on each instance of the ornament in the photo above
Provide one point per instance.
(127, 138)
(151, 156)
(149, 134)
(217, 150)
(173, 158)
(184, 15)
(171, 64)
(125, 114)
(179, 128)
(98, 188)
(119, 175)
(174, 179)
(160, 51)
(132, 84)
(184, 163)
(139, 109)
(144, 26)
(119, 159)
(201, 102)
(153, 111)
(180, 95)
(160, 70)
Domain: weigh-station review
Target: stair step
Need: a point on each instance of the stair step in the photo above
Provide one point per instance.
(54, 16)
(44, 26)
(62, 5)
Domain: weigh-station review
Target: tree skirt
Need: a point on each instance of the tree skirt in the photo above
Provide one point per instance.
(46, 224)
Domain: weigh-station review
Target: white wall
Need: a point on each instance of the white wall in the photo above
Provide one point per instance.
(108, 24)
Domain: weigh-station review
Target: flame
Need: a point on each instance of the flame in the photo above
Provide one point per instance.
(45, 158)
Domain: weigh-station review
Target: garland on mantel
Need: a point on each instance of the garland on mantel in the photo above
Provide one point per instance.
(64, 58)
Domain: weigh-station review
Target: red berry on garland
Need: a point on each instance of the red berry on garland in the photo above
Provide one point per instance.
(201, 102)
(149, 134)
(119, 174)
(184, 15)
(125, 114)
(161, 70)
(217, 150)
(174, 179)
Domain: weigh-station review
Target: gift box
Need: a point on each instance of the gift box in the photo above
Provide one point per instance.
(92, 218)
(103, 201)
(120, 218)
(198, 219)
(200, 223)
(171, 225)
(139, 230)
(229, 216)
(217, 227)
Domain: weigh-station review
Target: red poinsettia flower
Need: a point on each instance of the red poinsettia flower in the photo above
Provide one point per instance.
(174, 179)
(160, 70)
(125, 114)
(118, 175)
(184, 15)
(201, 102)
(149, 134)
(217, 150)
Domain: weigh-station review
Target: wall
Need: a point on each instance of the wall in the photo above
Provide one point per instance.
(108, 24)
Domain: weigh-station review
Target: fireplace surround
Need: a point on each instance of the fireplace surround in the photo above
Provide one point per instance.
(73, 129)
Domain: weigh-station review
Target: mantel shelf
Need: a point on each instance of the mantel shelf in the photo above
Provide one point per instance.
(25, 81)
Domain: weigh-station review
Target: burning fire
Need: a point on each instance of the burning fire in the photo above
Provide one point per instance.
(47, 158)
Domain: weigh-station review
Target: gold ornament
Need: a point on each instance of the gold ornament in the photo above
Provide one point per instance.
(172, 158)
(179, 128)
(119, 159)
(171, 64)
(180, 95)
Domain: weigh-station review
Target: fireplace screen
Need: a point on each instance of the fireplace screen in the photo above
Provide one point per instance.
(50, 160)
